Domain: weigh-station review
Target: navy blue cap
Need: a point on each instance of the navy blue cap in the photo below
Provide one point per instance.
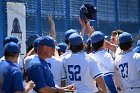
(12, 48)
(47, 41)
(97, 36)
(36, 41)
(31, 39)
(125, 37)
(62, 47)
(9, 39)
(75, 39)
(88, 41)
(87, 11)
(138, 43)
(68, 33)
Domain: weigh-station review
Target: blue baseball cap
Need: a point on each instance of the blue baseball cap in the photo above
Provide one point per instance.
(88, 41)
(62, 47)
(138, 43)
(12, 48)
(75, 39)
(36, 41)
(9, 39)
(68, 33)
(31, 39)
(97, 36)
(47, 41)
(125, 37)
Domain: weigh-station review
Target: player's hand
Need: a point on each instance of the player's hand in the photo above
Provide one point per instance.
(50, 20)
(30, 84)
(71, 87)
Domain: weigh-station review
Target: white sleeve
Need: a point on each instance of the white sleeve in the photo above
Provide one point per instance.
(27, 61)
(138, 63)
(95, 70)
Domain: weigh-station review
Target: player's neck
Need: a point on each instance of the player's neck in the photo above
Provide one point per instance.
(127, 51)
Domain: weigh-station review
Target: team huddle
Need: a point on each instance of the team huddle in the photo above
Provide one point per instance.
(74, 66)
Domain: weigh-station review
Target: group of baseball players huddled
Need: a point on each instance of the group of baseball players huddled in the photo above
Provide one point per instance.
(72, 66)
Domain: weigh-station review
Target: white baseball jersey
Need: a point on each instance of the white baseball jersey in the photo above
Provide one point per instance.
(82, 70)
(68, 52)
(56, 68)
(129, 68)
(104, 60)
(28, 59)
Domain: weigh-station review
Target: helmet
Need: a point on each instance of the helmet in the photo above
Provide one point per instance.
(87, 12)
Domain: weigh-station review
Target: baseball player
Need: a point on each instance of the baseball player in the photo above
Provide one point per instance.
(39, 71)
(14, 39)
(128, 64)
(81, 69)
(67, 35)
(103, 59)
(10, 73)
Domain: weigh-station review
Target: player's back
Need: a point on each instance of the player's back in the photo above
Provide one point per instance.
(56, 66)
(82, 71)
(104, 60)
(129, 68)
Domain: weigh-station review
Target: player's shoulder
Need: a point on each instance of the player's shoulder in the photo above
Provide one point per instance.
(34, 61)
(136, 55)
(28, 58)
(54, 60)
(90, 58)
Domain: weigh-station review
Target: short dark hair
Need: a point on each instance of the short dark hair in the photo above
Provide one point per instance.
(98, 45)
(114, 33)
(88, 48)
(125, 46)
(67, 42)
(76, 49)
(9, 54)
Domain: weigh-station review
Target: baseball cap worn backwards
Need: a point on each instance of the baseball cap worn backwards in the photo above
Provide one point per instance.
(47, 41)
(97, 36)
(68, 33)
(9, 39)
(12, 48)
(75, 39)
(125, 37)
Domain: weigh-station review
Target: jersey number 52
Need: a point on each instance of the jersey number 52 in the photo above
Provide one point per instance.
(74, 71)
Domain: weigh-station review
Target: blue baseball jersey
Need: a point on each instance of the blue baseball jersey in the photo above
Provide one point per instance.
(11, 77)
(39, 72)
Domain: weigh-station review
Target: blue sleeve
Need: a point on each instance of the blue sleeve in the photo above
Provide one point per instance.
(38, 77)
(110, 83)
(17, 81)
